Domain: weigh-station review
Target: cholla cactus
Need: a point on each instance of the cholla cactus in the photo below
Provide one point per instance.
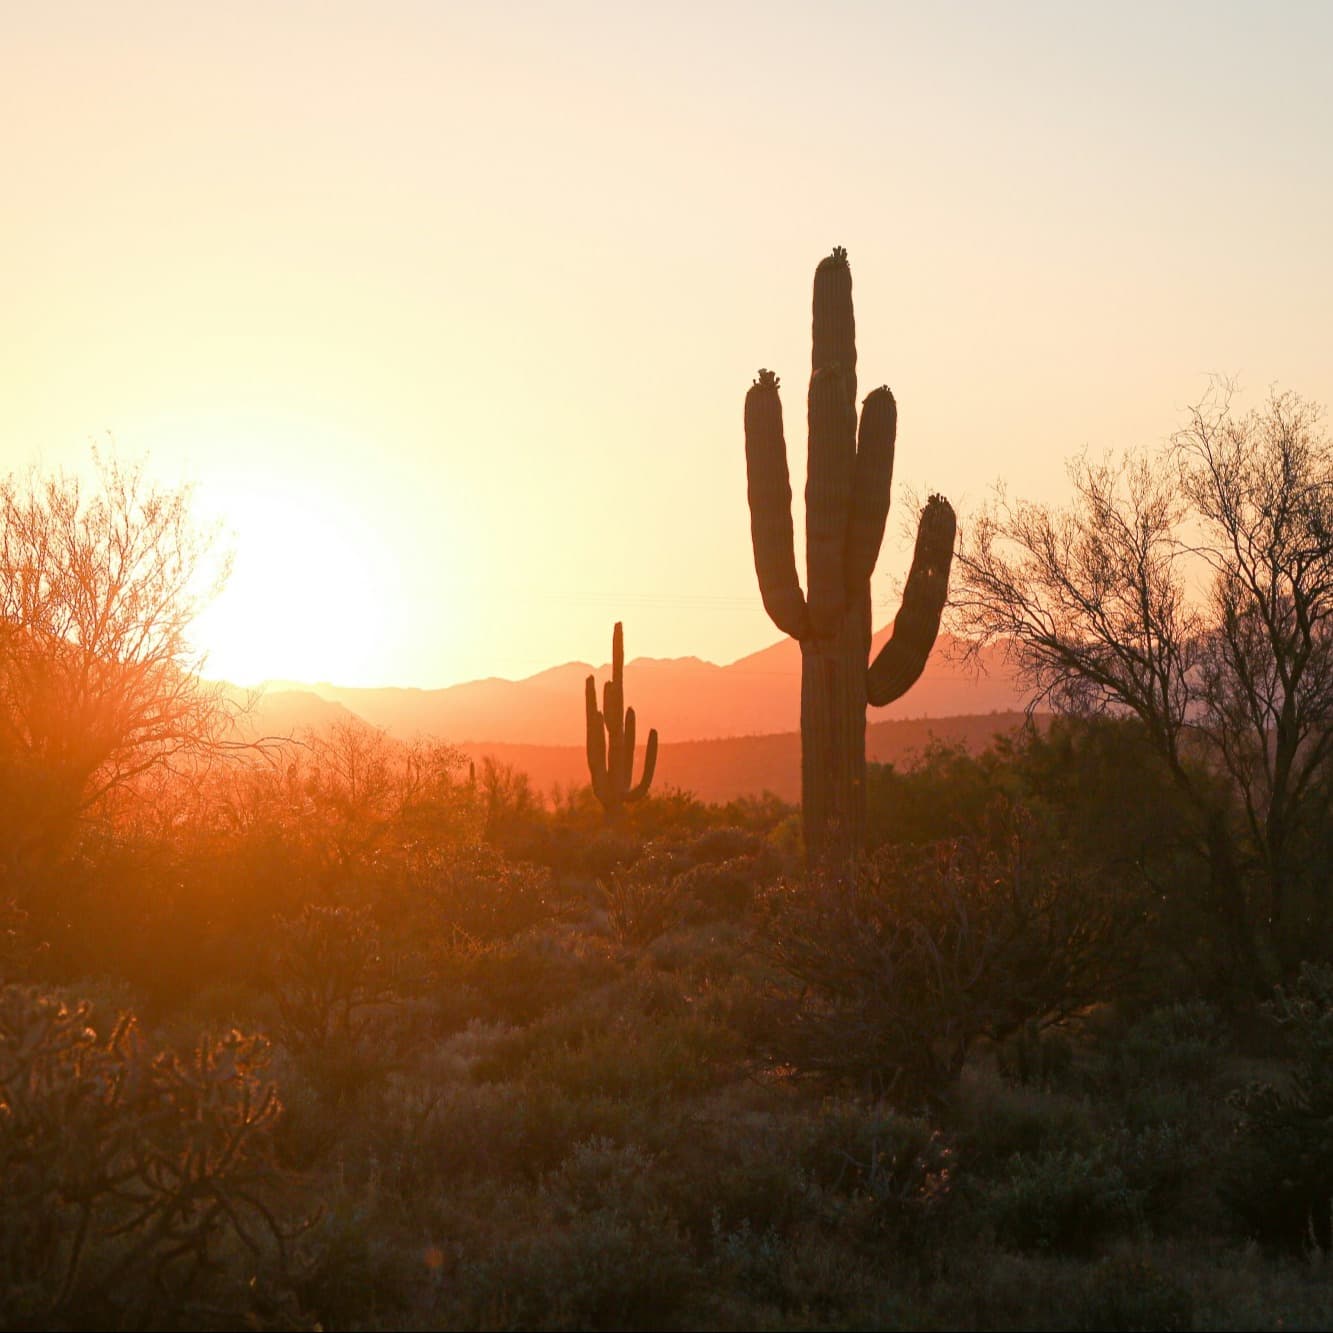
(849, 476)
(611, 738)
(130, 1178)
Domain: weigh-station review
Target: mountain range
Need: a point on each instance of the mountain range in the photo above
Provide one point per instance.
(725, 731)
(685, 698)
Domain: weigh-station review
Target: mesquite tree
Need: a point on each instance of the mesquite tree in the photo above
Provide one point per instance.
(1192, 589)
(611, 738)
(848, 479)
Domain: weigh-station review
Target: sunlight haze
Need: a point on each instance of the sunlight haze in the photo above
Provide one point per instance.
(448, 311)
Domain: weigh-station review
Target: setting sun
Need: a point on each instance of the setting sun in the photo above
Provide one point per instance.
(312, 593)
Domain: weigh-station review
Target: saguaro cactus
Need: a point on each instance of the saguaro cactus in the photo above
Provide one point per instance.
(848, 479)
(611, 738)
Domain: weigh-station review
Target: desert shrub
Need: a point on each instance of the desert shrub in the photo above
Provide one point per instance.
(1128, 1291)
(905, 962)
(716, 845)
(608, 851)
(896, 1171)
(994, 1119)
(595, 1271)
(738, 1186)
(756, 814)
(943, 794)
(636, 1040)
(721, 889)
(595, 1248)
(516, 1131)
(511, 812)
(476, 893)
(518, 981)
(359, 1261)
(743, 1257)
(1033, 1058)
(18, 948)
(1279, 1175)
(1061, 1201)
(621, 1056)
(1161, 1161)
(714, 876)
(138, 1186)
(668, 815)
(330, 976)
(600, 1173)
(1176, 1044)
(1244, 1287)
(643, 901)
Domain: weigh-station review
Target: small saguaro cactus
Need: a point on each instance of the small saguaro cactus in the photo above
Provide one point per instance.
(848, 479)
(611, 738)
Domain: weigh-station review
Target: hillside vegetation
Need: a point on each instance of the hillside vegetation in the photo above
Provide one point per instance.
(342, 1038)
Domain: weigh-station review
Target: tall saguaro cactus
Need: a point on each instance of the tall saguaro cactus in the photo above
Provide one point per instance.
(611, 738)
(848, 479)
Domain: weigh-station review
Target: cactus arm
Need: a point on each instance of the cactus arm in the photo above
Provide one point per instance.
(769, 488)
(649, 767)
(828, 497)
(901, 661)
(596, 742)
(871, 486)
(833, 325)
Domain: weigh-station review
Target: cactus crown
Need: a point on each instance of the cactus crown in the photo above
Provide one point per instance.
(839, 254)
(766, 379)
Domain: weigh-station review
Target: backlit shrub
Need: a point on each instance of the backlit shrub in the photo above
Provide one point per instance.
(1279, 1177)
(903, 963)
(133, 1183)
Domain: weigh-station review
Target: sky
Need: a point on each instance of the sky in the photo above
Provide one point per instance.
(447, 311)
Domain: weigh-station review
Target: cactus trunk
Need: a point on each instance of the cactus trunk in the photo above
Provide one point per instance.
(833, 734)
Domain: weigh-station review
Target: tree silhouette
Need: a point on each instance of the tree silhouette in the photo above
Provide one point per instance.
(98, 680)
(1192, 589)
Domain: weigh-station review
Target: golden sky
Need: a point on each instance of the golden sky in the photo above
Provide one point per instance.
(449, 310)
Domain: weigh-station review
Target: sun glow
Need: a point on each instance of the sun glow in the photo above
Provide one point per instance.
(312, 592)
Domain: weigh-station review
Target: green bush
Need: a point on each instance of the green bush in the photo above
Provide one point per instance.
(523, 979)
(720, 889)
(901, 965)
(993, 1120)
(1129, 1292)
(1033, 1058)
(643, 901)
(594, 1249)
(1061, 1201)
(1279, 1174)
(896, 1171)
(1176, 1044)
(476, 893)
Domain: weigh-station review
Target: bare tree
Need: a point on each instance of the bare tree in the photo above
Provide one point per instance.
(1192, 589)
(98, 680)
(1261, 486)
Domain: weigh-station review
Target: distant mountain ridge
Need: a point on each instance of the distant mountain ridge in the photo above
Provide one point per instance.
(723, 769)
(685, 698)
